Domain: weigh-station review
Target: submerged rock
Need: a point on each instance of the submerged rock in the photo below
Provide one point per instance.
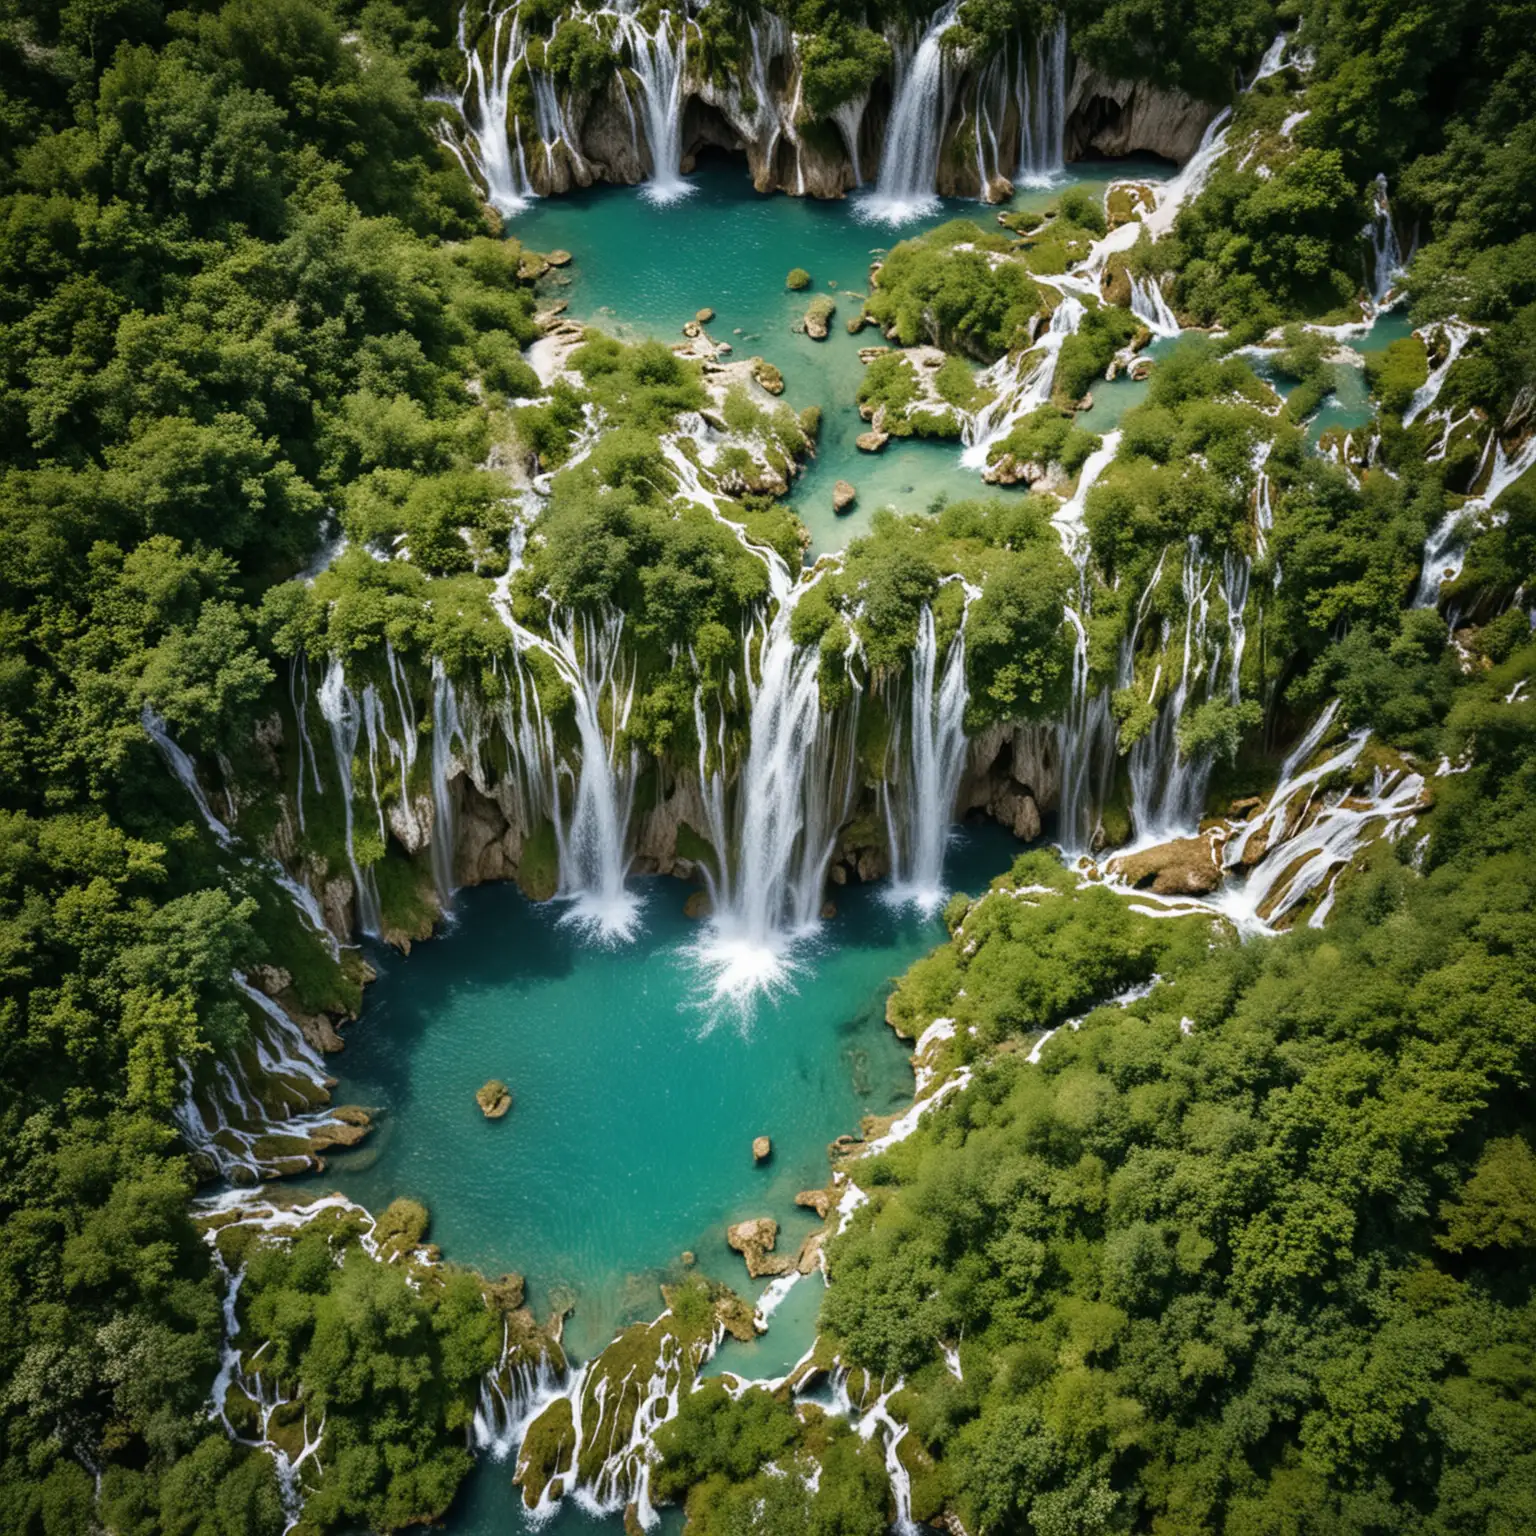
(762, 1149)
(818, 1200)
(494, 1099)
(698, 906)
(844, 494)
(871, 442)
(754, 1240)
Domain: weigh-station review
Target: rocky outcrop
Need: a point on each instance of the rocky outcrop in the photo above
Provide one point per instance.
(1187, 866)
(844, 494)
(762, 1149)
(1106, 116)
(754, 1240)
(494, 1099)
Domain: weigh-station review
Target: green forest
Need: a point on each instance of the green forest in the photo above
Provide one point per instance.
(1213, 1232)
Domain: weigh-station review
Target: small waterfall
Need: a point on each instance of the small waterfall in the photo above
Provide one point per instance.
(445, 727)
(849, 117)
(1168, 788)
(1444, 549)
(1456, 337)
(594, 837)
(909, 164)
(339, 706)
(1386, 257)
(1151, 308)
(498, 160)
(657, 60)
(1236, 571)
(298, 694)
(1086, 735)
(1192, 177)
(1022, 383)
(919, 796)
(186, 772)
(1043, 110)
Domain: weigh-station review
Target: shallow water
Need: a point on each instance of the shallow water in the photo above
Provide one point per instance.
(644, 270)
(630, 1136)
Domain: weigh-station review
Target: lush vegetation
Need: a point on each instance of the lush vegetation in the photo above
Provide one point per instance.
(1253, 1251)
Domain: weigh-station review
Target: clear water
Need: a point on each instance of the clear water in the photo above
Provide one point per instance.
(644, 270)
(630, 1137)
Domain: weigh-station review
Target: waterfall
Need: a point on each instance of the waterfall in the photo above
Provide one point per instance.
(1444, 549)
(1168, 787)
(445, 726)
(339, 706)
(186, 773)
(1236, 570)
(1151, 308)
(1456, 337)
(1021, 383)
(849, 117)
(909, 164)
(794, 791)
(657, 61)
(1043, 111)
(298, 694)
(1192, 176)
(500, 164)
(919, 796)
(1086, 735)
(593, 837)
(1386, 257)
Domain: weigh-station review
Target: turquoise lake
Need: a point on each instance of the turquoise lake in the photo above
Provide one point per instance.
(630, 1137)
(643, 270)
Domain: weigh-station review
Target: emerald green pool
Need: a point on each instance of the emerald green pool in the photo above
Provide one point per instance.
(644, 270)
(630, 1138)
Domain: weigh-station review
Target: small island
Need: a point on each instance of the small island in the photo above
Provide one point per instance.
(494, 1099)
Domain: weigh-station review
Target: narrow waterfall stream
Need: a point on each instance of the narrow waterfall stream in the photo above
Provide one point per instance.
(1043, 110)
(657, 59)
(919, 795)
(340, 707)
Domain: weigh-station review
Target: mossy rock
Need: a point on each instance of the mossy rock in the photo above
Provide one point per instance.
(538, 870)
(798, 278)
(494, 1098)
(402, 1225)
(546, 1451)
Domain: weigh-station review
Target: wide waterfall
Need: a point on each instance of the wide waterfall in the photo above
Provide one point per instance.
(792, 796)
(1151, 308)
(919, 792)
(657, 60)
(914, 135)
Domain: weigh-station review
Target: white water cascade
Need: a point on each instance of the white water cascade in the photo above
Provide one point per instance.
(1445, 548)
(1151, 308)
(1456, 337)
(1043, 110)
(1187, 185)
(593, 836)
(446, 726)
(919, 796)
(914, 135)
(298, 695)
(498, 157)
(1085, 738)
(1021, 383)
(791, 798)
(340, 707)
(1386, 256)
(657, 60)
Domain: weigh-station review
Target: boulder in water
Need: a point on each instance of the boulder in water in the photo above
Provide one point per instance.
(798, 278)
(818, 1200)
(818, 317)
(767, 376)
(1142, 369)
(844, 494)
(494, 1099)
(698, 906)
(871, 442)
(762, 1149)
(705, 315)
(754, 1240)
(558, 258)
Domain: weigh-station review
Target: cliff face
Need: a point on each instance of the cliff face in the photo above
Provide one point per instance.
(1001, 115)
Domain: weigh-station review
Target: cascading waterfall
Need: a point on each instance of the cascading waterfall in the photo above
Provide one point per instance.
(298, 694)
(340, 707)
(1168, 786)
(1021, 383)
(1151, 308)
(915, 133)
(1187, 185)
(593, 837)
(657, 60)
(1386, 256)
(446, 727)
(500, 163)
(1444, 549)
(919, 797)
(1456, 337)
(1043, 110)
(794, 791)
(185, 770)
